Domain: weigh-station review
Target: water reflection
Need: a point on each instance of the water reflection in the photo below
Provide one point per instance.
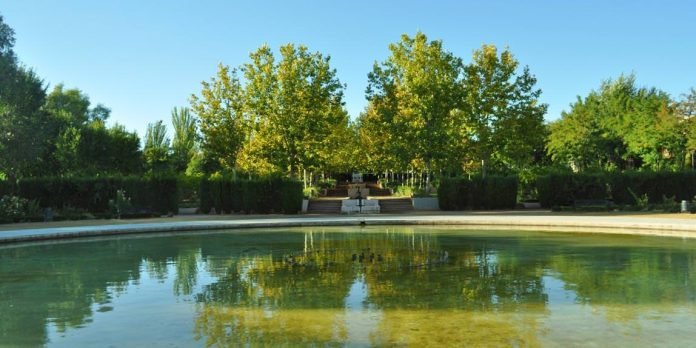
(376, 286)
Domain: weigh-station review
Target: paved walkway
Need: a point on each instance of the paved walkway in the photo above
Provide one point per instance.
(674, 225)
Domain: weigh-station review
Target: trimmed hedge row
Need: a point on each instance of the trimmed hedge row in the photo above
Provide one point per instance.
(263, 196)
(6, 188)
(563, 189)
(151, 195)
(491, 192)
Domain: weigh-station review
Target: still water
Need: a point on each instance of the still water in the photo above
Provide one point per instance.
(369, 286)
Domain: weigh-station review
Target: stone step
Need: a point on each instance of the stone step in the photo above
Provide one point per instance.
(324, 206)
(398, 205)
(380, 192)
(337, 193)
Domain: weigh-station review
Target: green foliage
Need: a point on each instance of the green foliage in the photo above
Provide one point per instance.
(681, 185)
(12, 209)
(69, 212)
(157, 195)
(69, 106)
(641, 202)
(503, 110)
(156, 151)
(6, 188)
(189, 187)
(300, 122)
(24, 127)
(184, 144)
(427, 110)
(16, 209)
(259, 196)
(624, 188)
(403, 191)
(619, 126)
(310, 192)
(223, 125)
(490, 192)
(670, 205)
(562, 189)
(326, 184)
(291, 195)
(414, 117)
(121, 204)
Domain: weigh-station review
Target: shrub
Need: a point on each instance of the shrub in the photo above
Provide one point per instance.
(403, 191)
(148, 195)
(626, 188)
(491, 192)
(291, 194)
(120, 205)
(561, 189)
(6, 188)
(326, 184)
(12, 209)
(188, 190)
(260, 196)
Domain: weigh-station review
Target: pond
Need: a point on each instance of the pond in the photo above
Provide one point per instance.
(357, 286)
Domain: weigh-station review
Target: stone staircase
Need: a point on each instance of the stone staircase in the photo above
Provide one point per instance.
(337, 192)
(395, 205)
(324, 206)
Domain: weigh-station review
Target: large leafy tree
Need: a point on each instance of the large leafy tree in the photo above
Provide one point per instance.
(70, 116)
(414, 116)
(286, 115)
(619, 126)
(185, 138)
(112, 150)
(223, 125)
(58, 133)
(296, 104)
(156, 150)
(686, 111)
(22, 122)
(503, 110)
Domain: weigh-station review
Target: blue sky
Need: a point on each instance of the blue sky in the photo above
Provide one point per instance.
(142, 58)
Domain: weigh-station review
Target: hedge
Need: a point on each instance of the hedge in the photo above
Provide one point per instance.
(562, 189)
(261, 196)
(491, 192)
(6, 188)
(149, 195)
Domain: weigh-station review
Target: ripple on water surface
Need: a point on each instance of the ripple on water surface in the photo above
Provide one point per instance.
(357, 286)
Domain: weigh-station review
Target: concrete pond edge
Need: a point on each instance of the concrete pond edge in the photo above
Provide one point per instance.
(604, 224)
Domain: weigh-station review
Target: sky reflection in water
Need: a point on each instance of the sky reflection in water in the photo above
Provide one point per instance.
(337, 286)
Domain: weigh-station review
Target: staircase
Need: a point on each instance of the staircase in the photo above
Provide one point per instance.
(395, 205)
(337, 192)
(324, 206)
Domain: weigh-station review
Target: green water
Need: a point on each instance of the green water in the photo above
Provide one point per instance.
(373, 286)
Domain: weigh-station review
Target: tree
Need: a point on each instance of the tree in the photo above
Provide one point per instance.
(577, 139)
(156, 150)
(22, 123)
(296, 106)
(103, 150)
(503, 110)
(619, 126)
(686, 110)
(286, 116)
(414, 115)
(185, 138)
(71, 106)
(220, 108)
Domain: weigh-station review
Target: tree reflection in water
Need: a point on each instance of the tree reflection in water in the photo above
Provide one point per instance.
(375, 286)
(410, 283)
